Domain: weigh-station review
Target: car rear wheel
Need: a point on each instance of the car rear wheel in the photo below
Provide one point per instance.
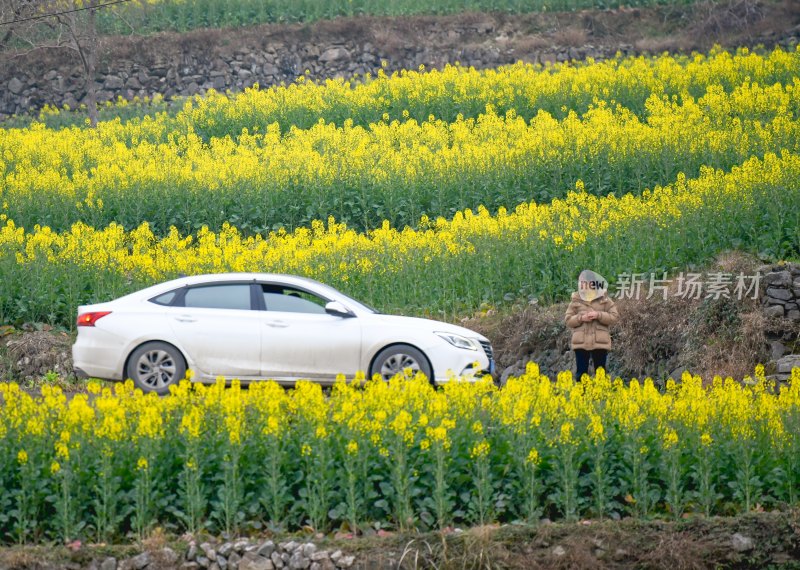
(393, 360)
(155, 366)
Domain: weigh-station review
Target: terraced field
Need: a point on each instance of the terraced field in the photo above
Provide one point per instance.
(421, 191)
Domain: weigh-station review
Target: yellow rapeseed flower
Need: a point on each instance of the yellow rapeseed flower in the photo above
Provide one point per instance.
(480, 449)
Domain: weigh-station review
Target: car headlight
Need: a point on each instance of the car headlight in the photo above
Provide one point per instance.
(458, 341)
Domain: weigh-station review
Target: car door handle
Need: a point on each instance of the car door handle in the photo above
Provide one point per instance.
(277, 324)
(186, 319)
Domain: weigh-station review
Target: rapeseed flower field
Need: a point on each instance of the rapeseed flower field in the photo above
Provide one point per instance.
(402, 146)
(401, 454)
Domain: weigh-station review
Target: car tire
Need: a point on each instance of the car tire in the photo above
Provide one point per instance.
(396, 358)
(155, 366)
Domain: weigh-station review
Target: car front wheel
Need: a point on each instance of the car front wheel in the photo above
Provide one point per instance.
(393, 360)
(155, 366)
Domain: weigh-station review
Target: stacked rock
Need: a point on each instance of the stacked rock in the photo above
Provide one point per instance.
(781, 297)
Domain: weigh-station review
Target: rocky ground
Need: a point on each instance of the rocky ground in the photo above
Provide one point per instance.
(756, 540)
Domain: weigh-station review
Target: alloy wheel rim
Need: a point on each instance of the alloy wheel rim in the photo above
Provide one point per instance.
(396, 364)
(156, 369)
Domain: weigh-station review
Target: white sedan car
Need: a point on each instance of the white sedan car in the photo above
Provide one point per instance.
(254, 326)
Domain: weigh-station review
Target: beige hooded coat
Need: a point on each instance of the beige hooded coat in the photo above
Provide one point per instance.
(594, 334)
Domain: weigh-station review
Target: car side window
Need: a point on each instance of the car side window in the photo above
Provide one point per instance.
(165, 298)
(228, 296)
(290, 300)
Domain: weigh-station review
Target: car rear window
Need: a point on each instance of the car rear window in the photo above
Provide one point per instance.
(230, 296)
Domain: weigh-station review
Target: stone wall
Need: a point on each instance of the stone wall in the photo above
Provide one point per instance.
(30, 87)
(781, 300)
(781, 296)
(193, 62)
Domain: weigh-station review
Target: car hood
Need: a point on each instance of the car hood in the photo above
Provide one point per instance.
(418, 324)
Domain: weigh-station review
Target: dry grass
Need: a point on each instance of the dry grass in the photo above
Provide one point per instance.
(22, 558)
(657, 45)
(649, 332)
(733, 353)
(530, 44)
(571, 36)
(714, 18)
(628, 544)
(681, 28)
(524, 331)
(475, 18)
(391, 40)
(28, 356)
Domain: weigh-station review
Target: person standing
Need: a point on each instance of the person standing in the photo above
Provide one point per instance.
(590, 315)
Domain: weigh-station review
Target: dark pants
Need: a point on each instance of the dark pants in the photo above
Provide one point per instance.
(598, 357)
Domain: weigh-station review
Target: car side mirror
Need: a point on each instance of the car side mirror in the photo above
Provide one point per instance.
(336, 309)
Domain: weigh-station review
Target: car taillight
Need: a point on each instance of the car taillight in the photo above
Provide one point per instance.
(89, 319)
